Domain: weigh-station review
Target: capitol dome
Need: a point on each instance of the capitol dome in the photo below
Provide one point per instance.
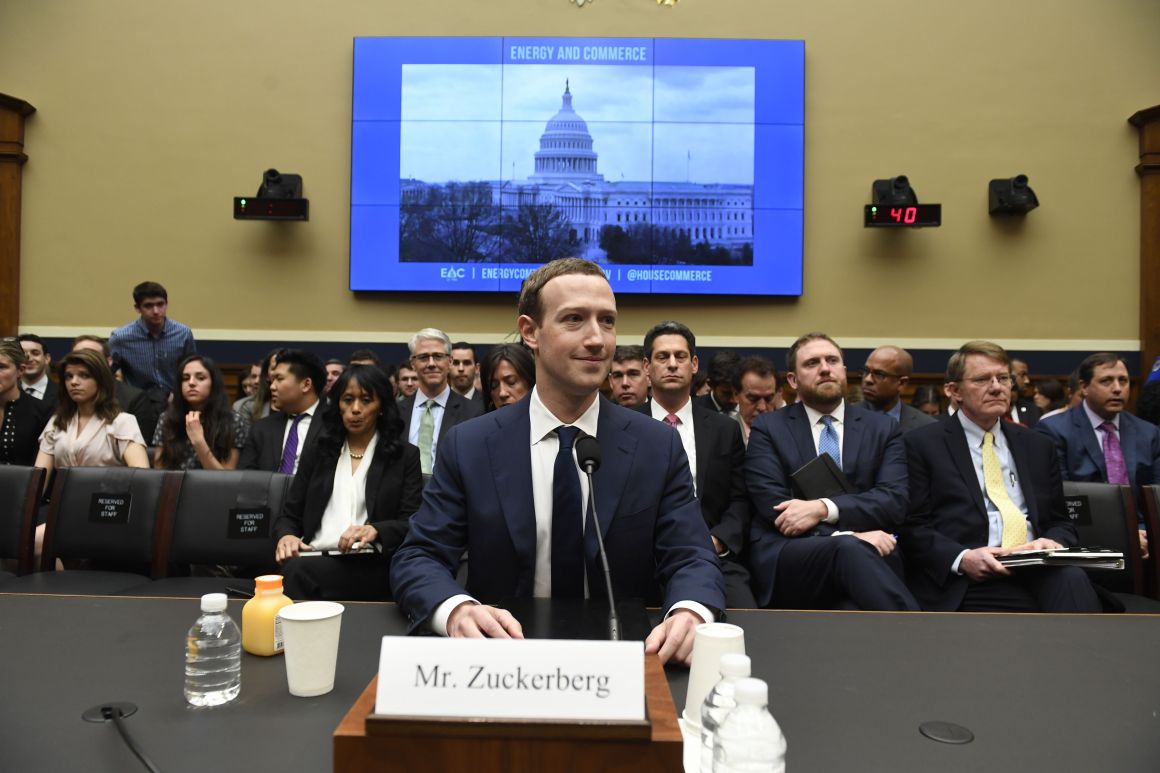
(565, 152)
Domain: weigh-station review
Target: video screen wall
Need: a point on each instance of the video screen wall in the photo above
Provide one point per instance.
(675, 164)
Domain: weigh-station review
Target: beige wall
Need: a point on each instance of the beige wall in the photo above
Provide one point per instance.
(153, 115)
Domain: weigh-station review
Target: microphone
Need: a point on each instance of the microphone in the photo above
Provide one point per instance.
(588, 457)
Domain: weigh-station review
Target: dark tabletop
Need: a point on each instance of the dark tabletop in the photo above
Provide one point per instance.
(1040, 693)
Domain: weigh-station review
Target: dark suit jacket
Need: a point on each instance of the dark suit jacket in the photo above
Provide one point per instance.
(781, 442)
(706, 401)
(136, 401)
(1079, 451)
(30, 416)
(948, 514)
(720, 475)
(392, 492)
(912, 419)
(263, 449)
(459, 409)
(1029, 412)
(479, 499)
(51, 395)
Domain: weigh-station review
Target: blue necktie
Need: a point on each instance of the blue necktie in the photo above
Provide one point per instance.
(828, 443)
(567, 526)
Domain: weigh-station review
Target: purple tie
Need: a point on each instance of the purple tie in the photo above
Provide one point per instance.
(1114, 455)
(290, 452)
(672, 420)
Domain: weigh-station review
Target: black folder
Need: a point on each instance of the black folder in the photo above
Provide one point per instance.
(820, 477)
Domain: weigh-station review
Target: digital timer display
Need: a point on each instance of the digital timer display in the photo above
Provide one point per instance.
(907, 216)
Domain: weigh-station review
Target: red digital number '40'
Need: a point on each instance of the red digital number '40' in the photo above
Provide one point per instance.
(904, 215)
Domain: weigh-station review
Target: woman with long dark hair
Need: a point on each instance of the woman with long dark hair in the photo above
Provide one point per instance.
(507, 373)
(352, 496)
(199, 430)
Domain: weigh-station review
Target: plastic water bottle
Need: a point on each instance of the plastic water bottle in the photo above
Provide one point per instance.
(213, 655)
(749, 739)
(719, 702)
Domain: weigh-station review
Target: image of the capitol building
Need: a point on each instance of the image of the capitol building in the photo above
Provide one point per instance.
(567, 178)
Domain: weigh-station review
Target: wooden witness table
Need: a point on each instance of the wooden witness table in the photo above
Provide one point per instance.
(1039, 692)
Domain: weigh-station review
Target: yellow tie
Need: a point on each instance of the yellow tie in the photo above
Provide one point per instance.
(1014, 522)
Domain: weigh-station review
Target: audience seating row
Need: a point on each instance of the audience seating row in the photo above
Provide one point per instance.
(136, 531)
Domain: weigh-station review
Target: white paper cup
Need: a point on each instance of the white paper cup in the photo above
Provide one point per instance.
(711, 642)
(310, 636)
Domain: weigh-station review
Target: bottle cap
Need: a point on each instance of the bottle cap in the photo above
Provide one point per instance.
(734, 665)
(213, 602)
(268, 582)
(751, 692)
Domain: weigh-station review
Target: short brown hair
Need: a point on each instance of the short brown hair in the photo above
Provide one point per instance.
(791, 355)
(104, 342)
(529, 304)
(1087, 368)
(758, 366)
(957, 364)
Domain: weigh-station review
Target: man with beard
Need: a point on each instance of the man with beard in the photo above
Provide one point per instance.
(887, 370)
(821, 553)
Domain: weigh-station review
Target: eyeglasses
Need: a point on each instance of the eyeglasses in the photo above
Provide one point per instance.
(433, 357)
(982, 382)
(879, 375)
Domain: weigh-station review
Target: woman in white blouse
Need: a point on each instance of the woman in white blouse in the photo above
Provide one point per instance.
(353, 495)
(88, 429)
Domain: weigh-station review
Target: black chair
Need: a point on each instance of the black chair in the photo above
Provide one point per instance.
(222, 517)
(1151, 497)
(20, 489)
(102, 518)
(1105, 516)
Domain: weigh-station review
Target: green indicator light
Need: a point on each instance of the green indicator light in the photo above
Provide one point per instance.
(873, 210)
(243, 202)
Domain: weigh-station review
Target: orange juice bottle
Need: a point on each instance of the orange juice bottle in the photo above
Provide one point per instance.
(260, 631)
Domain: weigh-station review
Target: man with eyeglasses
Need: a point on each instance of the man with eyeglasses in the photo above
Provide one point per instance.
(835, 551)
(887, 371)
(755, 389)
(713, 444)
(435, 407)
(980, 488)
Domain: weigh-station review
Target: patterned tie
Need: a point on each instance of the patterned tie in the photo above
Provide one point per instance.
(567, 523)
(290, 450)
(672, 420)
(1114, 455)
(828, 442)
(427, 437)
(1014, 522)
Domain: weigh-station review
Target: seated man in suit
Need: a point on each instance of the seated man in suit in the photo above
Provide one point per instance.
(464, 372)
(628, 377)
(435, 407)
(507, 487)
(722, 376)
(981, 487)
(1098, 440)
(888, 368)
(755, 389)
(820, 552)
(713, 444)
(34, 378)
(276, 442)
(1023, 407)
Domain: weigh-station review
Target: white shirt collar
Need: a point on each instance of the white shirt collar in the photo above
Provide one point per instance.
(311, 410)
(684, 413)
(544, 422)
(975, 432)
(41, 385)
(1097, 420)
(838, 413)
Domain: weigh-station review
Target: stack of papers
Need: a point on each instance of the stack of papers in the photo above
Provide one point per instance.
(1088, 558)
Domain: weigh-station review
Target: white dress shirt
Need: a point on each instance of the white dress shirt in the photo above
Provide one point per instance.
(437, 412)
(348, 499)
(303, 428)
(37, 389)
(816, 427)
(684, 429)
(544, 446)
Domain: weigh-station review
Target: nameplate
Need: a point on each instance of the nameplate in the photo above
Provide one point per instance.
(110, 508)
(248, 523)
(537, 680)
(1078, 509)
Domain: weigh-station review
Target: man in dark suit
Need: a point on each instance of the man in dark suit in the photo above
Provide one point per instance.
(435, 407)
(722, 376)
(464, 371)
(277, 441)
(507, 488)
(981, 487)
(824, 551)
(1098, 440)
(34, 380)
(713, 445)
(887, 371)
(1023, 407)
